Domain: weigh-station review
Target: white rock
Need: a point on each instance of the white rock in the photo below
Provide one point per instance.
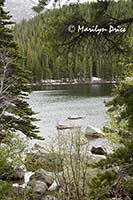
(54, 186)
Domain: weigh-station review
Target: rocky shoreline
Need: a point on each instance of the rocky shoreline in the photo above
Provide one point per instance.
(52, 82)
(45, 166)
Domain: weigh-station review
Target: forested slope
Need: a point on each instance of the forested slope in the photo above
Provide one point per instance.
(48, 48)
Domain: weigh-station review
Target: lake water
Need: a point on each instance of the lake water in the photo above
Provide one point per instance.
(54, 104)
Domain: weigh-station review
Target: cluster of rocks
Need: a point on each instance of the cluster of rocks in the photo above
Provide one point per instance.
(46, 164)
(93, 133)
(39, 187)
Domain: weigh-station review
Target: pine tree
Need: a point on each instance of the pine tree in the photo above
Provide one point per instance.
(116, 177)
(15, 113)
(45, 41)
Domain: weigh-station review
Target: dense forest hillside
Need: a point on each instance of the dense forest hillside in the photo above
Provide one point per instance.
(49, 48)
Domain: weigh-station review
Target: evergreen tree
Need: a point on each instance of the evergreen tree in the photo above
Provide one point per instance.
(50, 51)
(15, 113)
(116, 177)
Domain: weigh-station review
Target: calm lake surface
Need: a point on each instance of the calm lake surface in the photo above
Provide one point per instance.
(54, 104)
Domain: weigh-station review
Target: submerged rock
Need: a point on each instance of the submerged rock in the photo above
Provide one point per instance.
(63, 127)
(75, 117)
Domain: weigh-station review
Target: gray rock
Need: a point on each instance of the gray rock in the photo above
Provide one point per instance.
(18, 173)
(35, 190)
(93, 133)
(40, 187)
(42, 176)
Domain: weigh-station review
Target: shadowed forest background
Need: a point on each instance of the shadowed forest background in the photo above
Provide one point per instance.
(50, 51)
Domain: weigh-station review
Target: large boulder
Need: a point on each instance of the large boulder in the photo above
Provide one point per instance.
(98, 150)
(93, 133)
(42, 176)
(35, 190)
(39, 187)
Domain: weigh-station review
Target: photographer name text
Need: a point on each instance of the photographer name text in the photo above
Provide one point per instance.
(96, 29)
